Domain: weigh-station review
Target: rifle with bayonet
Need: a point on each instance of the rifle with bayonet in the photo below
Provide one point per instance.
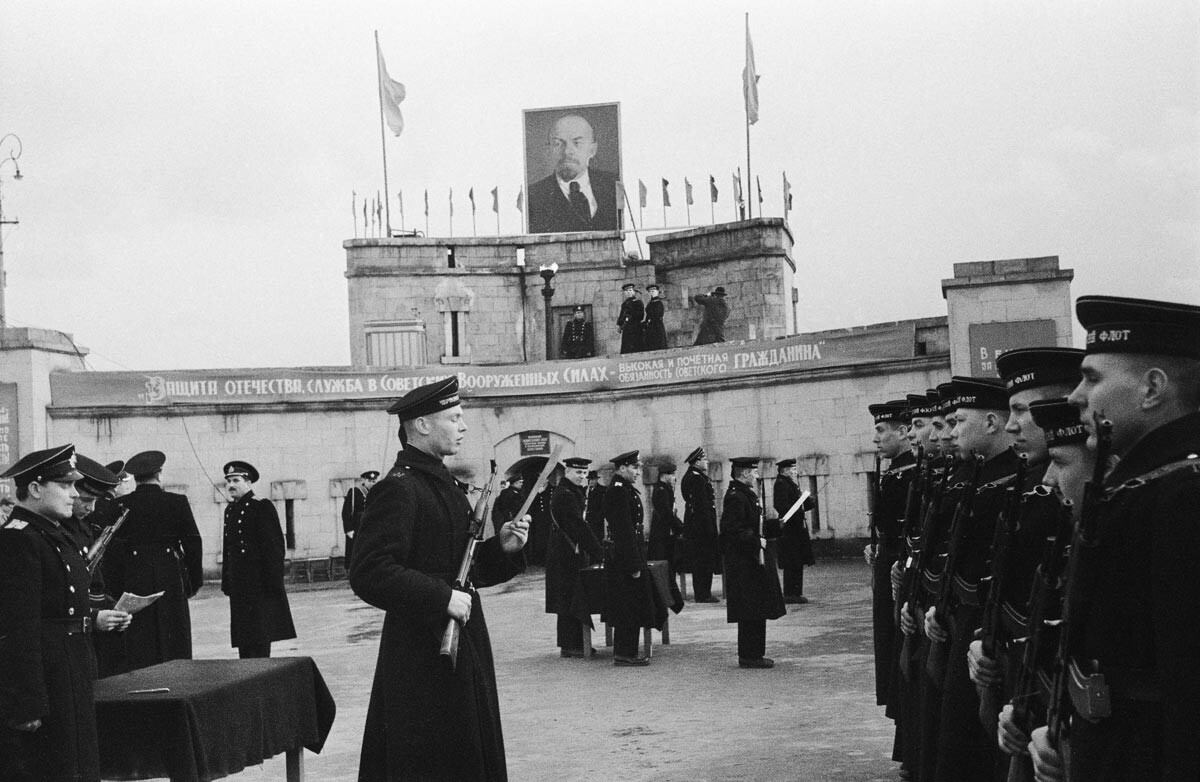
(1062, 705)
(939, 651)
(453, 630)
(96, 552)
(1002, 545)
(875, 500)
(912, 512)
(762, 519)
(920, 552)
(1043, 600)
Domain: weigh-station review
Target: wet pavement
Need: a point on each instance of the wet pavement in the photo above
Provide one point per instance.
(690, 715)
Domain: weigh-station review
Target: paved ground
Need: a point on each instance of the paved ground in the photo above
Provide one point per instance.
(691, 715)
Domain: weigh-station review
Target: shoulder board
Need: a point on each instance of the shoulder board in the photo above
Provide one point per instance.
(1191, 462)
(400, 472)
(16, 524)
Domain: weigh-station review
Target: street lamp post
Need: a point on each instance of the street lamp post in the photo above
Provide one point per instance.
(548, 273)
(14, 152)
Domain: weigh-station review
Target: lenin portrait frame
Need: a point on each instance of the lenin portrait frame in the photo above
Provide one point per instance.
(548, 208)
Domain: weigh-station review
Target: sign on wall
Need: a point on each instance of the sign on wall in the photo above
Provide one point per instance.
(988, 340)
(535, 443)
(572, 167)
(723, 361)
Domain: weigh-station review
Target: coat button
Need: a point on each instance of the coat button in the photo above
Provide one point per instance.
(71, 589)
(70, 612)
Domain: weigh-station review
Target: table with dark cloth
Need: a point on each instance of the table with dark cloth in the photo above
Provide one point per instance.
(219, 717)
(666, 596)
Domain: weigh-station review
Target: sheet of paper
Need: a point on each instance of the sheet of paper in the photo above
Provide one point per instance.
(131, 603)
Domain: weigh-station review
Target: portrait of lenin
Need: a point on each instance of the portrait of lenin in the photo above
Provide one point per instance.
(572, 166)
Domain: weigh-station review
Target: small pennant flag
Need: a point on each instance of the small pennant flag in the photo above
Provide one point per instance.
(452, 202)
(427, 202)
(712, 187)
(521, 199)
(737, 189)
(750, 79)
(666, 195)
(354, 204)
(400, 198)
(641, 194)
(787, 194)
(621, 203)
(687, 188)
(496, 199)
(391, 93)
(758, 182)
(471, 198)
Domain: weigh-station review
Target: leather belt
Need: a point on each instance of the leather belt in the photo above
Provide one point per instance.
(74, 625)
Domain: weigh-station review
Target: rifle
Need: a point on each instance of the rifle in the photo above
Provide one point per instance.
(919, 552)
(939, 651)
(1060, 707)
(912, 512)
(762, 517)
(874, 507)
(450, 637)
(96, 553)
(1042, 599)
(1006, 528)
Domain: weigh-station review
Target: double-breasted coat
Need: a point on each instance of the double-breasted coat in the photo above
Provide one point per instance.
(157, 549)
(701, 550)
(571, 546)
(752, 590)
(628, 591)
(795, 544)
(577, 340)
(426, 721)
(665, 525)
(252, 573)
(629, 320)
(46, 666)
(654, 332)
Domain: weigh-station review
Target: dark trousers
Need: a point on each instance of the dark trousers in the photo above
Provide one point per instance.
(570, 632)
(625, 640)
(752, 639)
(702, 583)
(793, 581)
(255, 650)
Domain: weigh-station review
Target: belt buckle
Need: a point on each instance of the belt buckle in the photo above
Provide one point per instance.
(87, 624)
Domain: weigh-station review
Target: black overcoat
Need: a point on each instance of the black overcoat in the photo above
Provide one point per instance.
(577, 341)
(665, 526)
(565, 557)
(425, 721)
(654, 333)
(352, 510)
(752, 590)
(701, 550)
(712, 322)
(795, 544)
(888, 518)
(593, 510)
(629, 321)
(1141, 615)
(252, 573)
(628, 601)
(46, 666)
(157, 549)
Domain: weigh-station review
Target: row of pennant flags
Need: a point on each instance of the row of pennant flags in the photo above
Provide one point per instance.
(392, 94)
(370, 209)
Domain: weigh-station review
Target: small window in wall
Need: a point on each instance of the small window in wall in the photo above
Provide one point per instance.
(289, 524)
(398, 343)
(454, 334)
(450, 262)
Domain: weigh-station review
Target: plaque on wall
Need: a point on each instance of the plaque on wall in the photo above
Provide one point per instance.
(988, 340)
(535, 443)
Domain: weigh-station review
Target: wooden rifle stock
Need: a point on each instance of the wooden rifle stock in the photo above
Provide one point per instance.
(1060, 706)
(1006, 528)
(449, 649)
(96, 553)
(762, 515)
(939, 651)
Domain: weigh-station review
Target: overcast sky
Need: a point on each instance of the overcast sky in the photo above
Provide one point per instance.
(189, 166)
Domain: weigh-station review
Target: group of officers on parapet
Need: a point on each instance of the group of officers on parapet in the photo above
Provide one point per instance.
(1035, 545)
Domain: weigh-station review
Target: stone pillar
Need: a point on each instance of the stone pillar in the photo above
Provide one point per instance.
(995, 306)
(27, 357)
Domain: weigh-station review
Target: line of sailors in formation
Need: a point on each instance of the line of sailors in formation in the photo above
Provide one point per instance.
(598, 559)
(1036, 590)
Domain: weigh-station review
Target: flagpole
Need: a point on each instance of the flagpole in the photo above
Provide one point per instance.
(749, 205)
(387, 207)
(687, 203)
